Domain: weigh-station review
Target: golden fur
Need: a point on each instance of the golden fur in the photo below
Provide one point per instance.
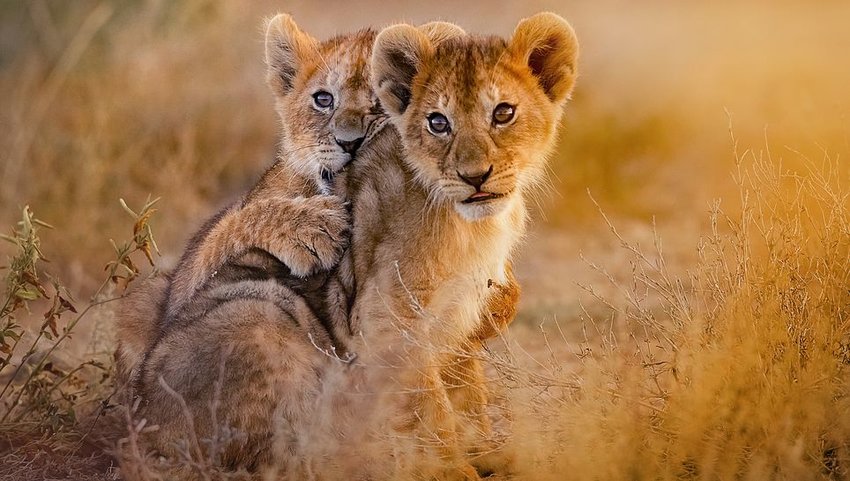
(291, 213)
(416, 297)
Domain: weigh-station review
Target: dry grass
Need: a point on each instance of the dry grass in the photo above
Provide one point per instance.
(725, 361)
(739, 372)
(51, 406)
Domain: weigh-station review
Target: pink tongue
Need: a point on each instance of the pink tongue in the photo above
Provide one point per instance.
(480, 195)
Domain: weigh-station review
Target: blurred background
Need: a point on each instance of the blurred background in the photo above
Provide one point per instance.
(101, 100)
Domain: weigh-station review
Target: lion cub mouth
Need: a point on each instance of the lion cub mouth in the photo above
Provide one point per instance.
(482, 197)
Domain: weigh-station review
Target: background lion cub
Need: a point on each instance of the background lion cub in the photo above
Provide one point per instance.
(327, 111)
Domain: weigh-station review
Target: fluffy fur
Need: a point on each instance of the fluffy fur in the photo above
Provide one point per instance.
(420, 270)
(418, 295)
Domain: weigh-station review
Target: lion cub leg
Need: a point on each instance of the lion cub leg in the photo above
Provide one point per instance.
(432, 423)
(307, 234)
(466, 384)
(467, 392)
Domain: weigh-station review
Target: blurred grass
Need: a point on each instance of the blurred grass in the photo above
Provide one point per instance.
(134, 98)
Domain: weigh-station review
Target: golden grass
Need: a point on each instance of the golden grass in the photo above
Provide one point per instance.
(740, 372)
(51, 405)
(133, 99)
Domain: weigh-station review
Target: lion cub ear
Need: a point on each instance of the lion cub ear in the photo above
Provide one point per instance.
(548, 45)
(398, 54)
(439, 32)
(288, 48)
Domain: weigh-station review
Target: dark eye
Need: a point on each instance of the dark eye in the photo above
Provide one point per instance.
(323, 99)
(503, 113)
(438, 123)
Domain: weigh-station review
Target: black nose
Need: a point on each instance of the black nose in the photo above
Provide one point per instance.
(477, 179)
(350, 146)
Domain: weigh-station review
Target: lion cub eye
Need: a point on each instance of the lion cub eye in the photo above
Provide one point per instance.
(323, 99)
(438, 123)
(503, 113)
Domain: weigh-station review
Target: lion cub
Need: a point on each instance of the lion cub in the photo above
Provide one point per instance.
(327, 112)
(474, 119)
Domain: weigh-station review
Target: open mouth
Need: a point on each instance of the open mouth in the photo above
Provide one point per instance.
(482, 197)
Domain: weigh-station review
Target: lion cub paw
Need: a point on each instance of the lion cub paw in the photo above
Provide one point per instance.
(315, 237)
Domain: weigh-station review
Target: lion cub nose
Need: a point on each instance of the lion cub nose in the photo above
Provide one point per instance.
(350, 146)
(476, 179)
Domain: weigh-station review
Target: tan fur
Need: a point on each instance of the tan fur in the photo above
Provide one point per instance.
(419, 272)
(286, 213)
(136, 323)
(418, 296)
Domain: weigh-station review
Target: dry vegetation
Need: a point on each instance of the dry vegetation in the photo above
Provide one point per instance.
(724, 361)
(738, 372)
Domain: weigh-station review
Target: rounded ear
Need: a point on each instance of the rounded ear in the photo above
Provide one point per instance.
(398, 54)
(439, 32)
(548, 45)
(287, 48)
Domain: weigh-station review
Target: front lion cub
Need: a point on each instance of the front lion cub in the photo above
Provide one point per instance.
(438, 208)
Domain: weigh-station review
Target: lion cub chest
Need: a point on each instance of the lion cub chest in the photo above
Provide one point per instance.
(435, 276)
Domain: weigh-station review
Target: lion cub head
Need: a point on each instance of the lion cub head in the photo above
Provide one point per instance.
(477, 115)
(323, 95)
